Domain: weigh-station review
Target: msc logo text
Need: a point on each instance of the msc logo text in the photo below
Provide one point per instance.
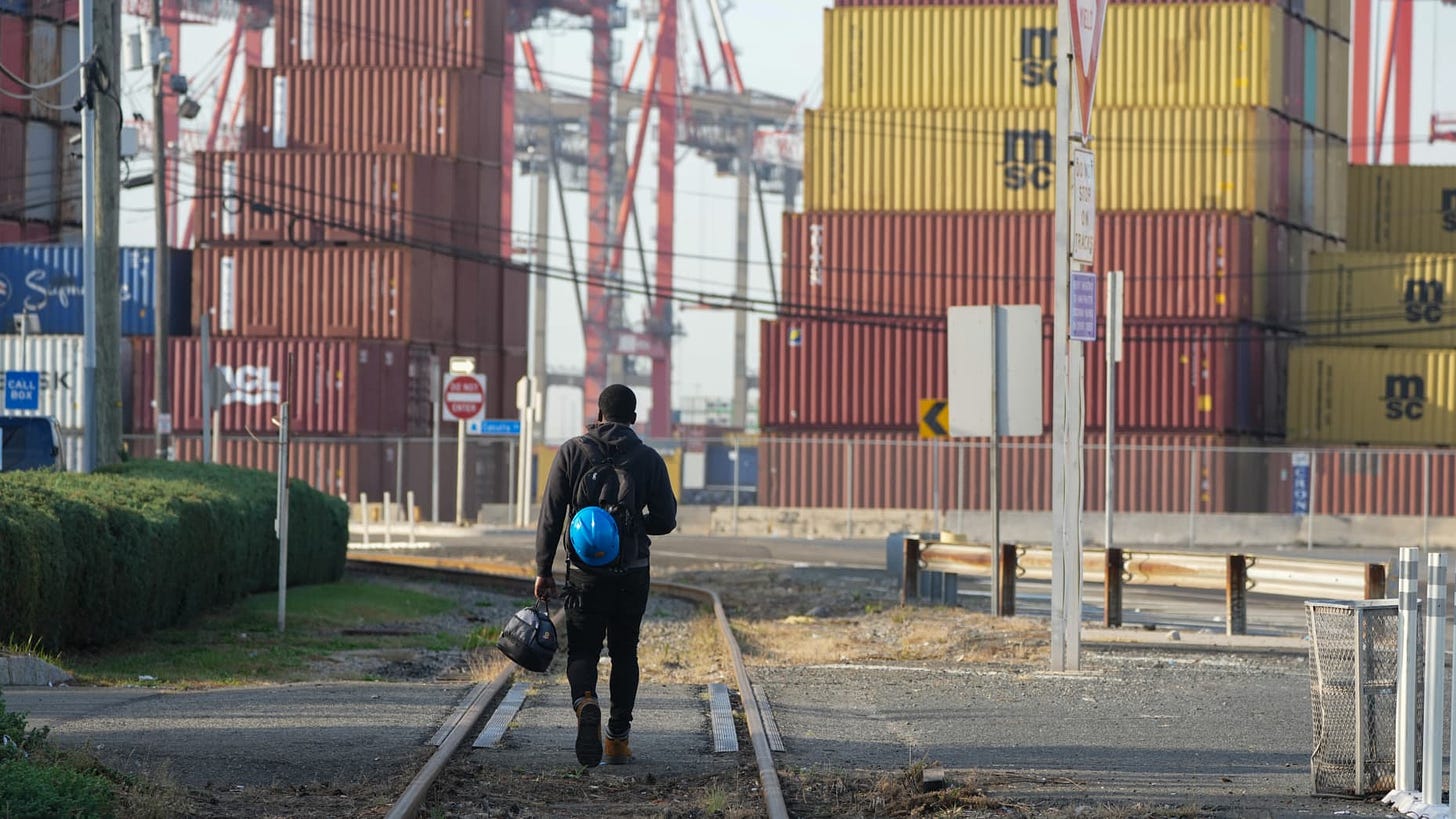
(1405, 397)
(1424, 300)
(1038, 57)
(1026, 157)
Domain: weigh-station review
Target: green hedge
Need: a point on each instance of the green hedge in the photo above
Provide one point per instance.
(89, 559)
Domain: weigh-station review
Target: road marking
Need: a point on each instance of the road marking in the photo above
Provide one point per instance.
(725, 733)
(770, 725)
(455, 716)
(495, 727)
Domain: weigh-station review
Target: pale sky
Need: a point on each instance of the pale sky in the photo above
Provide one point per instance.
(779, 51)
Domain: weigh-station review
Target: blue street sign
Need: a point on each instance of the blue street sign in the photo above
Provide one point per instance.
(1083, 306)
(22, 390)
(1300, 488)
(494, 426)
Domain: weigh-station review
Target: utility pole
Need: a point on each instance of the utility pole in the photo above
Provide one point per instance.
(101, 190)
(161, 263)
(540, 166)
(740, 283)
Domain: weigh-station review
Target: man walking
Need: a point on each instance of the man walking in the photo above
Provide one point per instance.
(604, 601)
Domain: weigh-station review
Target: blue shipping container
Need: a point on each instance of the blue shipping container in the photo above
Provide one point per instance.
(718, 466)
(21, 7)
(46, 280)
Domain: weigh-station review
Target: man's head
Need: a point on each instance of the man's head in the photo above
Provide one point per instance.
(617, 403)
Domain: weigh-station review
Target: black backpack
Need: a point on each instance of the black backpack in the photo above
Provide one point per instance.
(607, 482)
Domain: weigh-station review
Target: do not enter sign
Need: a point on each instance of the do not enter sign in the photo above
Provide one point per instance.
(463, 397)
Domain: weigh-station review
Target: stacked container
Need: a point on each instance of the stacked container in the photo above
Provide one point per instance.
(1380, 367)
(40, 185)
(359, 232)
(929, 180)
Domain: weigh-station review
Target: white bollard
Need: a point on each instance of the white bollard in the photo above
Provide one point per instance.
(409, 509)
(1409, 598)
(388, 519)
(364, 515)
(1435, 677)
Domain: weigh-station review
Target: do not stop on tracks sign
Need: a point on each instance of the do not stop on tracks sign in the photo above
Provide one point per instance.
(463, 397)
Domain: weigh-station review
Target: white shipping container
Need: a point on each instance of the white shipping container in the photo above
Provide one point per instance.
(42, 171)
(59, 360)
(44, 66)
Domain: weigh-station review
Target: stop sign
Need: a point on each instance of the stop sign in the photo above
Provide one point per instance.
(463, 397)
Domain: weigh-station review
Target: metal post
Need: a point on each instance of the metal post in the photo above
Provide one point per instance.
(735, 487)
(364, 515)
(161, 260)
(1407, 663)
(1435, 693)
(1313, 500)
(1112, 588)
(960, 459)
(935, 485)
(910, 570)
(434, 440)
(460, 474)
(513, 493)
(848, 489)
(740, 282)
(388, 511)
(282, 520)
(410, 511)
(1192, 494)
(995, 446)
(398, 467)
(1114, 355)
(1426, 503)
(1004, 592)
(209, 400)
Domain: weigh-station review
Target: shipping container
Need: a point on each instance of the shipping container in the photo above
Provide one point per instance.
(1372, 395)
(59, 359)
(1337, 88)
(408, 467)
(492, 305)
(1175, 375)
(44, 64)
(422, 34)
(42, 171)
(1233, 159)
(1328, 15)
(15, 45)
(59, 10)
(336, 387)
(47, 281)
(69, 209)
(1337, 174)
(13, 171)
(1166, 473)
(436, 111)
(1204, 55)
(70, 90)
(339, 468)
(332, 197)
(384, 293)
(1370, 299)
(1202, 265)
(1402, 209)
(1367, 481)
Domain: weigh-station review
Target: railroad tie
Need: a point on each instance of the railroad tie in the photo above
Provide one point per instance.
(770, 725)
(725, 733)
(495, 727)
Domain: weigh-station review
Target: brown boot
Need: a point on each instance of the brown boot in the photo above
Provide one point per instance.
(588, 730)
(618, 751)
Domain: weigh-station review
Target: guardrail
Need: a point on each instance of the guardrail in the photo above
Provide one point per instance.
(1236, 574)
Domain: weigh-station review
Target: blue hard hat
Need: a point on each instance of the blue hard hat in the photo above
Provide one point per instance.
(594, 536)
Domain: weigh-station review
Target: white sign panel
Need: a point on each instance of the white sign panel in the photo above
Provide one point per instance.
(1014, 333)
(1087, 20)
(1084, 205)
(280, 112)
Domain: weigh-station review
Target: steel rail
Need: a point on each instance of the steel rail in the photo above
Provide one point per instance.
(412, 799)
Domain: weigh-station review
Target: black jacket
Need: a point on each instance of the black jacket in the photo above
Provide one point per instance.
(649, 481)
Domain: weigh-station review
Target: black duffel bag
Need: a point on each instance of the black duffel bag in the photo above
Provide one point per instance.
(529, 639)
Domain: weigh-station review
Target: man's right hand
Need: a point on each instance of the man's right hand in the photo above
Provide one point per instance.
(545, 587)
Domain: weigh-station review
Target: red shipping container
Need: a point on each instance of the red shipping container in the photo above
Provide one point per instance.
(11, 232)
(331, 292)
(1206, 377)
(501, 368)
(15, 45)
(1202, 265)
(423, 33)
(340, 198)
(13, 172)
(1368, 482)
(61, 10)
(436, 111)
(339, 468)
(1153, 473)
(335, 387)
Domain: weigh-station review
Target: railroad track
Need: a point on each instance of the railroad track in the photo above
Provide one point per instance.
(494, 708)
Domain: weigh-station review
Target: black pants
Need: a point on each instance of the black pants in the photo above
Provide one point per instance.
(611, 607)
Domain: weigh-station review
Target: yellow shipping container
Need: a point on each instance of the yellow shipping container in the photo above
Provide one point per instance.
(1402, 209)
(1337, 173)
(1166, 54)
(1396, 299)
(1336, 86)
(1147, 159)
(1372, 395)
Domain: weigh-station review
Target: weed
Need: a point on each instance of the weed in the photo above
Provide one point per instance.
(483, 637)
